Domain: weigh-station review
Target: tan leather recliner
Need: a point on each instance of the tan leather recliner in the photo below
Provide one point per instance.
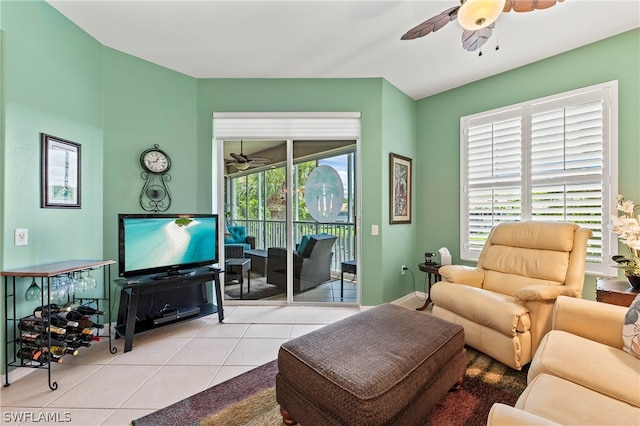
(505, 303)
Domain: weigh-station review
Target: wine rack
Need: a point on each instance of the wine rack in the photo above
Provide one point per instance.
(31, 341)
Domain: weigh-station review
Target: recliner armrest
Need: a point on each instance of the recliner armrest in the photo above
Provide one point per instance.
(543, 292)
(505, 415)
(597, 321)
(461, 274)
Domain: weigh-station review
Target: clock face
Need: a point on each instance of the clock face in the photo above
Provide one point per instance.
(155, 161)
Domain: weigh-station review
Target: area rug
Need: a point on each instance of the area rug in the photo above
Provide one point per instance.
(249, 399)
(259, 290)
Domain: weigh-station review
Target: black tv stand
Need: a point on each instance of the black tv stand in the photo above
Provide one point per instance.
(172, 274)
(141, 297)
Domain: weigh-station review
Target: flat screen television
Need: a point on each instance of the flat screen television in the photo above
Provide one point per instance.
(166, 244)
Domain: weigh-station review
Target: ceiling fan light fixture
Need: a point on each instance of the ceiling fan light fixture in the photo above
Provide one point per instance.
(242, 166)
(474, 15)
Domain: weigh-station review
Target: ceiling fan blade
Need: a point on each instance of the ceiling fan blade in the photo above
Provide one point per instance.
(259, 160)
(474, 40)
(528, 5)
(431, 24)
(239, 158)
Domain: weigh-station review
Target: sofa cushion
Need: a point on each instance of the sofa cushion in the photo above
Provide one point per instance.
(593, 365)
(303, 244)
(631, 329)
(238, 233)
(490, 309)
(566, 403)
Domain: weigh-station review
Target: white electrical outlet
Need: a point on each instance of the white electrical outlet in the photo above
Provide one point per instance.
(402, 269)
(21, 237)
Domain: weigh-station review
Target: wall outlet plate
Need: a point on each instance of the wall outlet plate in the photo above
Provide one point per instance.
(21, 237)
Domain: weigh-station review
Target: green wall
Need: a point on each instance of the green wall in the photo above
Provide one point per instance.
(438, 126)
(374, 98)
(51, 84)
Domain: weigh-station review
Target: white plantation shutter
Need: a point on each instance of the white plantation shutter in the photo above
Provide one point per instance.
(550, 159)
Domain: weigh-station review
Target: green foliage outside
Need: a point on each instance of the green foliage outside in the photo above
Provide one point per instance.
(273, 189)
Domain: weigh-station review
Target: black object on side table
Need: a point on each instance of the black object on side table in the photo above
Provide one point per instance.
(147, 302)
(432, 272)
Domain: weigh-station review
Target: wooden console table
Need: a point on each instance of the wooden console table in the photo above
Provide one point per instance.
(45, 273)
(615, 292)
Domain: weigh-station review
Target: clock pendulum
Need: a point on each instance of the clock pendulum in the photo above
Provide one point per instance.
(155, 196)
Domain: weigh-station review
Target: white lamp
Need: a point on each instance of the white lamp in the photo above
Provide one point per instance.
(474, 15)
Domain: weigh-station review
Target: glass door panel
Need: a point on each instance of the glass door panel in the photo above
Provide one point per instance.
(255, 199)
(323, 206)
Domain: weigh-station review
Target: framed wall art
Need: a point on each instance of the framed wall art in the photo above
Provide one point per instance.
(399, 189)
(60, 173)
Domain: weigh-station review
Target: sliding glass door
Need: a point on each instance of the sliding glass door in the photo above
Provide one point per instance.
(295, 200)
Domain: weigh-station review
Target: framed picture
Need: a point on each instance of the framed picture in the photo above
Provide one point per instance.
(60, 183)
(399, 189)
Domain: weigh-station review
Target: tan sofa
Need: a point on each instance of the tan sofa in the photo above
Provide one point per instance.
(579, 375)
(505, 302)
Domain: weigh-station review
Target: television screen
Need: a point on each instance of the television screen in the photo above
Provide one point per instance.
(166, 243)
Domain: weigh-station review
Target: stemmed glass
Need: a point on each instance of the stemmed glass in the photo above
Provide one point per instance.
(33, 292)
(91, 281)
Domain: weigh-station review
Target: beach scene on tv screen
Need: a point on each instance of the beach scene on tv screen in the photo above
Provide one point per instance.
(155, 242)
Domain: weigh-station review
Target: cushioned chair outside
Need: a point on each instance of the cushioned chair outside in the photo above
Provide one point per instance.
(505, 303)
(236, 242)
(311, 263)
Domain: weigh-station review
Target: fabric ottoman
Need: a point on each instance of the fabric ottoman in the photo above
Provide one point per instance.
(385, 366)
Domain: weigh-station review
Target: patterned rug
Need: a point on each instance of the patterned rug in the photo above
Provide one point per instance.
(249, 399)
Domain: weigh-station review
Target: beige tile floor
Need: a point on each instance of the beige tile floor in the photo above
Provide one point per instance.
(166, 365)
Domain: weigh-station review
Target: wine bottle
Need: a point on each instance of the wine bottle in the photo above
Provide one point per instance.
(36, 339)
(76, 341)
(39, 326)
(59, 350)
(30, 354)
(37, 355)
(87, 323)
(60, 319)
(81, 309)
(44, 311)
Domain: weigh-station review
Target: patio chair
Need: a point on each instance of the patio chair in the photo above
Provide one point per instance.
(311, 263)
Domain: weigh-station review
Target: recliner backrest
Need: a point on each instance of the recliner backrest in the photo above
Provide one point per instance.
(524, 253)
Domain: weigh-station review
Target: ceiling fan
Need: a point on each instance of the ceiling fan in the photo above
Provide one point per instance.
(243, 162)
(477, 18)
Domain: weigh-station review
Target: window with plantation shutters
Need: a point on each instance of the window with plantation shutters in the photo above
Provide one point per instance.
(552, 159)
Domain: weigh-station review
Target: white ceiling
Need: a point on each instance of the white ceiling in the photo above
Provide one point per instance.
(338, 38)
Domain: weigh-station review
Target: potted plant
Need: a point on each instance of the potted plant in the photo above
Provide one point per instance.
(627, 225)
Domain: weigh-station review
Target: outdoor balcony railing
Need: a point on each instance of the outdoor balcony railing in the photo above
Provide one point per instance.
(273, 233)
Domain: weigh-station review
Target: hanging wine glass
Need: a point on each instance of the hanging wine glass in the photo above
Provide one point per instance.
(82, 283)
(72, 283)
(59, 288)
(91, 281)
(33, 292)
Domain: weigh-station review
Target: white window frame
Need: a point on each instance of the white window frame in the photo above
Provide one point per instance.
(607, 93)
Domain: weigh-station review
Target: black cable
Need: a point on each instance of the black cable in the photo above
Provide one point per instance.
(413, 279)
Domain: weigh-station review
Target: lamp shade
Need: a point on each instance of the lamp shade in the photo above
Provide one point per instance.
(476, 14)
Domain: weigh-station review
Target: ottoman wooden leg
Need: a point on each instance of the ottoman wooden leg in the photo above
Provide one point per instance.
(458, 384)
(286, 417)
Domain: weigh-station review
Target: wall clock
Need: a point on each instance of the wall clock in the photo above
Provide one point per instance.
(155, 196)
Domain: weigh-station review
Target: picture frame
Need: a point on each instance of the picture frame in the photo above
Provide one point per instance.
(60, 173)
(400, 189)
